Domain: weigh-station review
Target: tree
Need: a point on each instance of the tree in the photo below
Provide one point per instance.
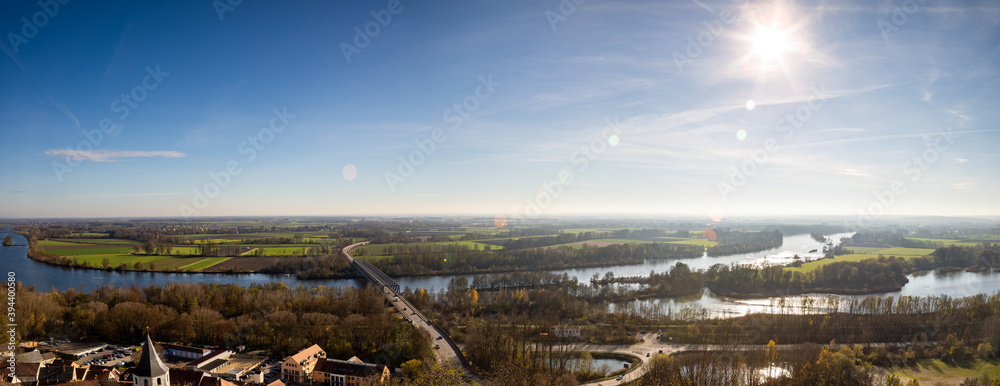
(105, 262)
(413, 368)
(772, 352)
(8, 241)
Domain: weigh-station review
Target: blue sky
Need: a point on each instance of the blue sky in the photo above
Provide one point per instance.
(844, 95)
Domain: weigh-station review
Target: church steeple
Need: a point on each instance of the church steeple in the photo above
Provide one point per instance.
(150, 371)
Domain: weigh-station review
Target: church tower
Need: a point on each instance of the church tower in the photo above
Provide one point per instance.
(150, 371)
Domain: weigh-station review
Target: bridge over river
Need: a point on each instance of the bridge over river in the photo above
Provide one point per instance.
(447, 351)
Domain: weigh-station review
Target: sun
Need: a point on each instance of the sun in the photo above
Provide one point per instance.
(776, 41)
(770, 44)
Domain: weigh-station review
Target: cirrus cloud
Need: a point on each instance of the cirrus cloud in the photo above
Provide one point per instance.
(110, 155)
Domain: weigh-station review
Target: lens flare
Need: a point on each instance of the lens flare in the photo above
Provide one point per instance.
(500, 221)
(751, 104)
(613, 140)
(741, 134)
(350, 172)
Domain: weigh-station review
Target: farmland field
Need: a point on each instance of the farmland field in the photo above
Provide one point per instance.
(868, 253)
(117, 252)
(698, 242)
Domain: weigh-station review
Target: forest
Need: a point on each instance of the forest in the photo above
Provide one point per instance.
(273, 317)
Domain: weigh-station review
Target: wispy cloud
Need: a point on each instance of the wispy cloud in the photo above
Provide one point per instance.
(117, 195)
(885, 137)
(853, 172)
(927, 95)
(65, 110)
(110, 155)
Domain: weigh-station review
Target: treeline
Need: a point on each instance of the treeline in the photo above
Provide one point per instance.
(327, 266)
(885, 274)
(899, 320)
(983, 255)
(893, 238)
(510, 233)
(544, 241)
(733, 242)
(465, 260)
(818, 236)
(678, 281)
(793, 229)
(344, 321)
(565, 238)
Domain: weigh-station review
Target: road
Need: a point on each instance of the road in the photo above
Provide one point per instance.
(445, 354)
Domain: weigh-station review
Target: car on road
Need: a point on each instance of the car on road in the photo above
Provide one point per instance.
(619, 378)
(437, 347)
(438, 338)
(647, 355)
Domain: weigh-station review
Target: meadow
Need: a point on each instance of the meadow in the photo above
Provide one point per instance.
(862, 253)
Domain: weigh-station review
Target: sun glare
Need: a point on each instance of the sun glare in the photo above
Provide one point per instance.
(770, 44)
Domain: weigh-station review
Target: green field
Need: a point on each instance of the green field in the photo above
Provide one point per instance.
(960, 242)
(936, 372)
(698, 242)
(161, 262)
(94, 251)
(868, 253)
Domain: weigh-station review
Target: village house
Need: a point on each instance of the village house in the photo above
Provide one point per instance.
(298, 368)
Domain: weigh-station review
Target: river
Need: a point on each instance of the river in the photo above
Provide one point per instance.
(45, 277)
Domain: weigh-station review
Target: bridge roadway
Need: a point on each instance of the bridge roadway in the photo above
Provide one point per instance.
(447, 352)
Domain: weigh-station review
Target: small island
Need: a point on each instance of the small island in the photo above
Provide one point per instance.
(8, 241)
